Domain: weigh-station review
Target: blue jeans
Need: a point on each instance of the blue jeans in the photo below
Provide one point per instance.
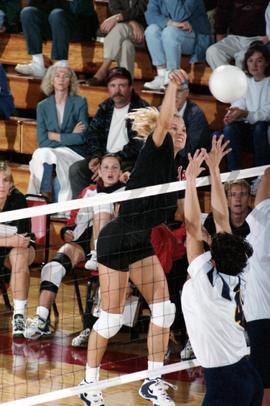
(253, 136)
(48, 182)
(166, 46)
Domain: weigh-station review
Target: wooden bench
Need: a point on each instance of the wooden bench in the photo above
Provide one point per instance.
(87, 57)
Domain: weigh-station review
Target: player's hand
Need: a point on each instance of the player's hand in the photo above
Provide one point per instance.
(138, 32)
(69, 236)
(79, 128)
(19, 241)
(218, 151)
(194, 168)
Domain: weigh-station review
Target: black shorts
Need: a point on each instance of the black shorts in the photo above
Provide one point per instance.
(259, 336)
(237, 384)
(84, 240)
(121, 244)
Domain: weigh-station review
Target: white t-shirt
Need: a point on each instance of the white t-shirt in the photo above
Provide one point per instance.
(216, 338)
(256, 100)
(118, 135)
(257, 272)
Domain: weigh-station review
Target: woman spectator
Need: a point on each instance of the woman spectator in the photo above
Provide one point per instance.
(247, 119)
(62, 121)
(15, 250)
(175, 27)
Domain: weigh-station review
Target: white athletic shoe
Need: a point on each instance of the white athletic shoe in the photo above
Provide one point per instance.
(36, 328)
(187, 352)
(18, 326)
(91, 398)
(155, 391)
(82, 339)
(30, 69)
(156, 84)
(91, 264)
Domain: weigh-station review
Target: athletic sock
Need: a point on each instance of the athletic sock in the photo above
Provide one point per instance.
(19, 306)
(43, 312)
(91, 374)
(154, 365)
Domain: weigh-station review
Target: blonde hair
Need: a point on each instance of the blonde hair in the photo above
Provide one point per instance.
(4, 167)
(237, 182)
(47, 82)
(144, 120)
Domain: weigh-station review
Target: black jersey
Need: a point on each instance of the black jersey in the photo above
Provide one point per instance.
(154, 166)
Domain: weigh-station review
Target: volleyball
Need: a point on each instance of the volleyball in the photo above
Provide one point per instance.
(228, 83)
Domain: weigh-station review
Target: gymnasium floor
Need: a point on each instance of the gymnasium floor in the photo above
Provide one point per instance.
(32, 367)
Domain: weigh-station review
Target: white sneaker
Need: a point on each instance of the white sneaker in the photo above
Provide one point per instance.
(91, 264)
(82, 339)
(36, 328)
(156, 84)
(155, 391)
(30, 69)
(187, 352)
(91, 398)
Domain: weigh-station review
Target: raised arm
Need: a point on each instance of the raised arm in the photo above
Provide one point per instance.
(167, 108)
(264, 188)
(218, 198)
(192, 208)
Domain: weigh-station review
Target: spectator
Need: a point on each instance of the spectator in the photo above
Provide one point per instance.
(60, 20)
(16, 252)
(6, 99)
(238, 24)
(247, 119)
(238, 199)
(124, 30)
(175, 27)
(62, 122)
(9, 15)
(109, 132)
(76, 247)
(197, 128)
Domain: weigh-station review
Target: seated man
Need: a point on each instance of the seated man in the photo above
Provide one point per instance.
(59, 20)
(109, 132)
(75, 249)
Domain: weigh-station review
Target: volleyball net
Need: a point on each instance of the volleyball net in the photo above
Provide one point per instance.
(42, 371)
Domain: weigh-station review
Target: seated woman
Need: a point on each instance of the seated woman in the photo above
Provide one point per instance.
(247, 119)
(16, 252)
(62, 121)
(175, 27)
(76, 247)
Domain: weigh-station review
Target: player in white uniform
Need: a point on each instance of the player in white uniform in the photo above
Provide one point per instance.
(257, 287)
(211, 297)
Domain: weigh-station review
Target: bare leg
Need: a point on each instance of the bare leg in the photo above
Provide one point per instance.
(113, 288)
(99, 221)
(150, 279)
(19, 259)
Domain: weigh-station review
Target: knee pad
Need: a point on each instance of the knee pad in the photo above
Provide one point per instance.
(162, 313)
(108, 324)
(53, 272)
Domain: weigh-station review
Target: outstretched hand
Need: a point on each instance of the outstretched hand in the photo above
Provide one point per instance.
(194, 168)
(218, 151)
(178, 76)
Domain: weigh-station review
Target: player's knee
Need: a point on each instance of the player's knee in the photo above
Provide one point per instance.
(53, 272)
(162, 313)
(108, 324)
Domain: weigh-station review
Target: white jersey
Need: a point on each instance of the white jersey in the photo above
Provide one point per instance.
(212, 312)
(257, 272)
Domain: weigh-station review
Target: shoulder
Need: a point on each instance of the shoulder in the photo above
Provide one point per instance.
(17, 199)
(43, 104)
(202, 263)
(76, 99)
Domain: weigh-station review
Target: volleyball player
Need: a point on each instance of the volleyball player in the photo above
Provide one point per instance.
(257, 287)
(124, 250)
(211, 300)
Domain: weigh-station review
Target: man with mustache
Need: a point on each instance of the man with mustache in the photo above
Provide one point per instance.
(109, 132)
